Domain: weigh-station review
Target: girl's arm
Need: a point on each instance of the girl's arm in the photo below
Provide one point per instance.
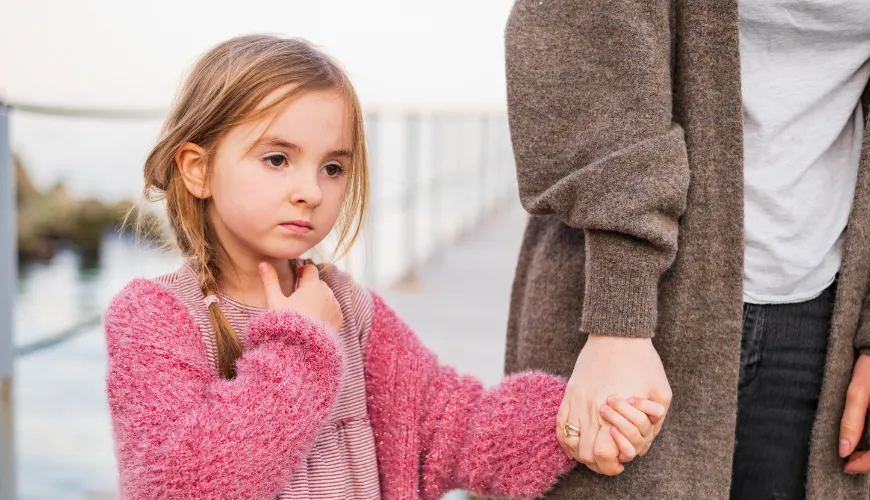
(180, 431)
(453, 432)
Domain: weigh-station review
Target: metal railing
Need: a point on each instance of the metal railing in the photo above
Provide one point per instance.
(8, 284)
(436, 174)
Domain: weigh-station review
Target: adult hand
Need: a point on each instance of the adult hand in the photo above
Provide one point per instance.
(609, 366)
(313, 298)
(852, 424)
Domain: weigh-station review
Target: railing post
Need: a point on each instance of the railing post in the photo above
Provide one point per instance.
(412, 190)
(437, 186)
(370, 255)
(8, 285)
(485, 152)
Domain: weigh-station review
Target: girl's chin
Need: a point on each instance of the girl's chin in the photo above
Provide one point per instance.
(284, 256)
(281, 248)
(286, 253)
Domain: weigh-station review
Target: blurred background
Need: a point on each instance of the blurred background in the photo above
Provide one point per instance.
(83, 88)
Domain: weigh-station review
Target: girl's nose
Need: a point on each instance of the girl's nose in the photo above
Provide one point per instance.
(306, 188)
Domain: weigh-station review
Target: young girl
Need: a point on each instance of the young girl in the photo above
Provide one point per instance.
(246, 374)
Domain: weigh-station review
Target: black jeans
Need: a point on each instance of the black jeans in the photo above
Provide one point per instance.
(782, 361)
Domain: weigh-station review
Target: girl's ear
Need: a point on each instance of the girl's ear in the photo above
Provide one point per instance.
(191, 162)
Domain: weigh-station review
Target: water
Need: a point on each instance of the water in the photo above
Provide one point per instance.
(64, 440)
(63, 430)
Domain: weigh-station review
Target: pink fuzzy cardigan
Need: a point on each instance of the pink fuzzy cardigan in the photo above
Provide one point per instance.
(182, 432)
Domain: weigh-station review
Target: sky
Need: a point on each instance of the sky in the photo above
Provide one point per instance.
(120, 53)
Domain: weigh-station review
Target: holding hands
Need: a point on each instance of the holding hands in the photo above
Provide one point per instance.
(614, 404)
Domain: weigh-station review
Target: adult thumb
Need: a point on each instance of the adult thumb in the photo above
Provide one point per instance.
(852, 424)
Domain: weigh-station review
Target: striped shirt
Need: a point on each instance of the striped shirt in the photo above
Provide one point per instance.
(342, 463)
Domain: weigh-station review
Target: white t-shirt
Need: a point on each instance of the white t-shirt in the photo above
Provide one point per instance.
(805, 64)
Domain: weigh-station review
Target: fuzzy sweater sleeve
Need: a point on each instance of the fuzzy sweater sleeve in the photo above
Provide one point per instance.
(589, 98)
(437, 431)
(182, 432)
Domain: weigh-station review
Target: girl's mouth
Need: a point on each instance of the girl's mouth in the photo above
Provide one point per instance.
(298, 226)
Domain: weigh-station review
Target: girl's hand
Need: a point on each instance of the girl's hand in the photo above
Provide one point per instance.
(634, 424)
(313, 298)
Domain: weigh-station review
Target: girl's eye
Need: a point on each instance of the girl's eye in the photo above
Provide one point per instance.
(275, 161)
(332, 169)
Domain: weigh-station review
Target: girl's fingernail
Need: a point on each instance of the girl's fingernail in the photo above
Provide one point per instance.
(631, 401)
(611, 400)
(262, 267)
(604, 409)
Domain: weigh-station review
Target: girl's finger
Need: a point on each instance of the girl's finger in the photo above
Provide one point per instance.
(635, 416)
(271, 284)
(626, 428)
(308, 274)
(655, 412)
(607, 453)
(627, 452)
(645, 449)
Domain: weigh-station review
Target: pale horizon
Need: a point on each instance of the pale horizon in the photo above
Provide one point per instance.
(104, 54)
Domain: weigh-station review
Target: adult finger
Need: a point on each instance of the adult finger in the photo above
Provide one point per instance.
(858, 463)
(662, 397)
(561, 420)
(645, 449)
(852, 423)
(573, 443)
(588, 430)
(655, 412)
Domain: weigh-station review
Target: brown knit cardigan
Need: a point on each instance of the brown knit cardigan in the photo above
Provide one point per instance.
(626, 120)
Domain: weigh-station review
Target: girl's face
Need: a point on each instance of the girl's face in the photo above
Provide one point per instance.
(277, 186)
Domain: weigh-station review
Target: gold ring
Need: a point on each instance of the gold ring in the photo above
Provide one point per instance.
(569, 430)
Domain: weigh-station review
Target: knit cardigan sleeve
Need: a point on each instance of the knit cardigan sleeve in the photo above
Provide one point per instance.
(589, 97)
(436, 431)
(182, 432)
(862, 336)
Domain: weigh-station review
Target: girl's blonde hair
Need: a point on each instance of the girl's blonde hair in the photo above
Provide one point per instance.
(223, 90)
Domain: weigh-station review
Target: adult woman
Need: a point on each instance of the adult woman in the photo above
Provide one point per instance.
(720, 216)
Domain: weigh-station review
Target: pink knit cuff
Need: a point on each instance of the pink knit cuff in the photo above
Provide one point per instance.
(291, 328)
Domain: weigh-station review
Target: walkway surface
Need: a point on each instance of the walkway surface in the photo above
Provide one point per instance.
(458, 305)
